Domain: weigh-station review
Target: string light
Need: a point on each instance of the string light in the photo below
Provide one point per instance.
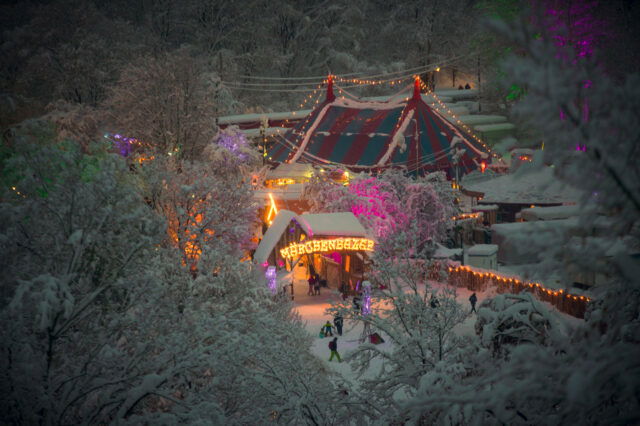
(467, 216)
(455, 117)
(560, 298)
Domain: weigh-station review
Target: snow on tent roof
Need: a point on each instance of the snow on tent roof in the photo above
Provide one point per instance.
(533, 186)
(331, 224)
(483, 250)
(549, 213)
(271, 237)
(366, 135)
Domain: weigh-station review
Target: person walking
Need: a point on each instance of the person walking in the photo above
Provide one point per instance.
(356, 303)
(316, 287)
(338, 322)
(434, 302)
(333, 347)
(311, 280)
(342, 289)
(473, 299)
(328, 329)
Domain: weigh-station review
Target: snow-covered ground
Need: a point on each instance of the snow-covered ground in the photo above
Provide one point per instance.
(312, 310)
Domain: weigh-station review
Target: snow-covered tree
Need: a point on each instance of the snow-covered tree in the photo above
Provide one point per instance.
(102, 323)
(167, 102)
(206, 205)
(231, 152)
(418, 320)
(390, 205)
(591, 376)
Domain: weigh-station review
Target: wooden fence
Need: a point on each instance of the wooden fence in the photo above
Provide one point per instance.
(475, 280)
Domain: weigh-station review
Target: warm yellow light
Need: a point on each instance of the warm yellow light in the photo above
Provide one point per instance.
(324, 246)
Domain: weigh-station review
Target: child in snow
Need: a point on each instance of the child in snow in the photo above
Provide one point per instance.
(473, 299)
(333, 347)
(328, 329)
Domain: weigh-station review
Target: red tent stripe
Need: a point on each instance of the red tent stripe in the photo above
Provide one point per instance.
(360, 143)
(406, 110)
(433, 133)
(335, 131)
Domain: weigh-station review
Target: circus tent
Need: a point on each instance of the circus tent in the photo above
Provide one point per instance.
(365, 135)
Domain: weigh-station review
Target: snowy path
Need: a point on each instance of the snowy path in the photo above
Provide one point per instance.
(312, 311)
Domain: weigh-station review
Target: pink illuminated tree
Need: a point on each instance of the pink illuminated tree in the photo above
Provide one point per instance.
(390, 205)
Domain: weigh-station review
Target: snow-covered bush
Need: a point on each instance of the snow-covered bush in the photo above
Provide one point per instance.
(508, 320)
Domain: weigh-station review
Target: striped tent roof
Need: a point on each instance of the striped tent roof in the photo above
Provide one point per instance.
(374, 135)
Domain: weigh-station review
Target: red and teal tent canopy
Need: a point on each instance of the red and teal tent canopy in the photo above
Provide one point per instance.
(362, 135)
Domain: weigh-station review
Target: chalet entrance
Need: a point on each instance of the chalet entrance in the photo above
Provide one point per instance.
(334, 246)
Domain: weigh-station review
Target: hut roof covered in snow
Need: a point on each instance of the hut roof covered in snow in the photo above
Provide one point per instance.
(527, 186)
(271, 237)
(343, 224)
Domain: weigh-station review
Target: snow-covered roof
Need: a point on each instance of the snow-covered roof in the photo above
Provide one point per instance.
(272, 236)
(293, 191)
(526, 186)
(533, 228)
(549, 213)
(331, 224)
(484, 207)
(291, 171)
(248, 118)
(477, 119)
(494, 127)
(343, 224)
(269, 131)
(443, 252)
(483, 250)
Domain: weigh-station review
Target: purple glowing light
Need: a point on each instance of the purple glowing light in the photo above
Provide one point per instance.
(576, 25)
(123, 144)
(234, 142)
(366, 299)
(271, 275)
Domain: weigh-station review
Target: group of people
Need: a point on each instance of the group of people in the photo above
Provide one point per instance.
(466, 87)
(327, 330)
(314, 285)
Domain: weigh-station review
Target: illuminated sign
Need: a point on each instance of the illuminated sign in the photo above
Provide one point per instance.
(326, 246)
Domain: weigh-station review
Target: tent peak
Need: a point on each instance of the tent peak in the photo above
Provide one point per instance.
(416, 88)
(330, 96)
